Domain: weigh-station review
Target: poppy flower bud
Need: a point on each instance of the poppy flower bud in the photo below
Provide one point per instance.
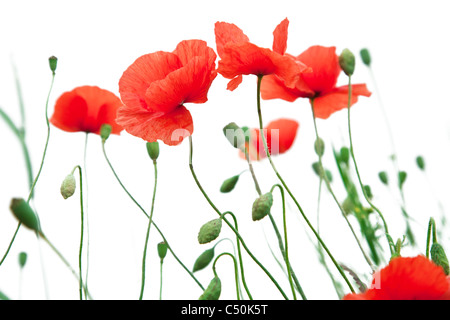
(23, 212)
(235, 135)
(328, 175)
(345, 154)
(261, 206)
(347, 62)
(53, 62)
(229, 184)
(365, 57)
(317, 168)
(203, 260)
(209, 231)
(68, 186)
(368, 191)
(105, 131)
(383, 177)
(439, 257)
(420, 162)
(162, 249)
(153, 150)
(319, 147)
(22, 259)
(401, 178)
(212, 292)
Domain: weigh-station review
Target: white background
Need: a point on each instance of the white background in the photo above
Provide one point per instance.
(95, 41)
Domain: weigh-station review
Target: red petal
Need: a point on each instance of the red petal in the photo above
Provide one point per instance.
(227, 33)
(188, 49)
(171, 127)
(272, 87)
(280, 35)
(326, 105)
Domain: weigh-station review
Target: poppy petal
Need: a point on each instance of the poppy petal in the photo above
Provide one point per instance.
(272, 87)
(326, 105)
(280, 35)
(227, 33)
(70, 111)
(171, 128)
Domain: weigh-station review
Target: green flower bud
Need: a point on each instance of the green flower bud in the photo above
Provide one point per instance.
(105, 131)
(23, 212)
(439, 257)
(229, 184)
(383, 177)
(162, 249)
(329, 175)
(401, 178)
(22, 259)
(317, 168)
(261, 206)
(348, 205)
(420, 162)
(319, 147)
(212, 292)
(235, 135)
(209, 231)
(345, 154)
(203, 260)
(153, 150)
(53, 62)
(68, 186)
(368, 191)
(347, 62)
(365, 57)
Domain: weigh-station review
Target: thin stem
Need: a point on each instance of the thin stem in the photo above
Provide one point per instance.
(235, 270)
(86, 203)
(153, 222)
(160, 279)
(357, 170)
(327, 183)
(227, 222)
(289, 191)
(148, 231)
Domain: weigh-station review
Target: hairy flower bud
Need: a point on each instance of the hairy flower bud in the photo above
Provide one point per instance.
(229, 184)
(53, 62)
(261, 206)
(319, 147)
(68, 186)
(23, 212)
(162, 249)
(210, 231)
(153, 150)
(212, 292)
(203, 260)
(105, 131)
(365, 57)
(347, 62)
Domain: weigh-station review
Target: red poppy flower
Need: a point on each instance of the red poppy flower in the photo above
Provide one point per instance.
(156, 86)
(320, 84)
(280, 135)
(86, 109)
(241, 57)
(407, 278)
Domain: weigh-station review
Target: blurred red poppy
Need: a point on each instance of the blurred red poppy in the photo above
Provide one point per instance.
(86, 109)
(156, 86)
(241, 57)
(280, 135)
(407, 278)
(320, 84)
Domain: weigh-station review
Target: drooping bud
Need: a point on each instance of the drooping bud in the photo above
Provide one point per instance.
(209, 231)
(235, 135)
(212, 292)
(153, 150)
(317, 168)
(162, 249)
(261, 206)
(401, 178)
(347, 62)
(319, 147)
(203, 260)
(365, 57)
(229, 184)
(53, 62)
(105, 131)
(368, 191)
(420, 162)
(23, 212)
(22, 259)
(383, 177)
(439, 257)
(68, 186)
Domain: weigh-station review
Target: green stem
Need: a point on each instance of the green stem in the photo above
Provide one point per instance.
(153, 222)
(86, 204)
(431, 231)
(227, 222)
(148, 231)
(235, 270)
(357, 170)
(289, 191)
(160, 279)
(327, 183)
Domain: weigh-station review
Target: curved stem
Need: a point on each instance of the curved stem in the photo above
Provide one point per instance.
(235, 270)
(327, 183)
(191, 167)
(289, 191)
(153, 222)
(150, 219)
(357, 170)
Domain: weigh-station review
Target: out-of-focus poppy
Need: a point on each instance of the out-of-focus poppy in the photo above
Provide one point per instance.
(318, 85)
(407, 278)
(238, 56)
(156, 86)
(279, 134)
(86, 109)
